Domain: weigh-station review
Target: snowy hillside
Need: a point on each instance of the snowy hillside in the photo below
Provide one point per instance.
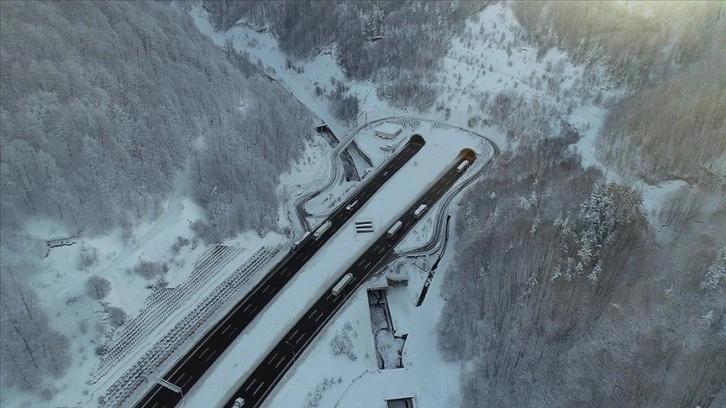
(579, 261)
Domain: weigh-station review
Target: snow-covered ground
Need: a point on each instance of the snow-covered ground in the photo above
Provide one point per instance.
(479, 63)
(442, 147)
(431, 381)
(61, 286)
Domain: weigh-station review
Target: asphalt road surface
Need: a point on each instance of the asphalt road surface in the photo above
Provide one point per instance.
(190, 368)
(264, 378)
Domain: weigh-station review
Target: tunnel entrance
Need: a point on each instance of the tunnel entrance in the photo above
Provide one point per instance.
(324, 130)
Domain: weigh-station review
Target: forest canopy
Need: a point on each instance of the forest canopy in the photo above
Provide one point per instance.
(669, 58)
(100, 113)
(395, 61)
(105, 109)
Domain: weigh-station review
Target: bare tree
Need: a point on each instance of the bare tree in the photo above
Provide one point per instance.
(97, 287)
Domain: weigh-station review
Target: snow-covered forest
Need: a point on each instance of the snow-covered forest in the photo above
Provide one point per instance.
(671, 57)
(560, 295)
(376, 40)
(103, 106)
(571, 282)
(563, 294)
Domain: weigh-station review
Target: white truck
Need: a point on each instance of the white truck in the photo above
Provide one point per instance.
(351, 205)
(321, 229)
(394, 229)
(462, 166)
(420, 210)
(297, 243)
(342, 284)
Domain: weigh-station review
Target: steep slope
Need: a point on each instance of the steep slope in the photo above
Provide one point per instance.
(102, 105)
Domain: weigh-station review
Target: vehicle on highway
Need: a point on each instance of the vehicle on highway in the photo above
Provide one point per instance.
(420, 210)
(321, 229)
(351, 205)
(297, 243)
(239, 403)
(342, 284)
(394, 229)
(385, 173)
(462, 166)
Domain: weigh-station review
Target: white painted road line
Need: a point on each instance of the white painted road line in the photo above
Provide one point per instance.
(234, 332)
(185, 382)
(250, 384)
(281, 360)
(258, 388)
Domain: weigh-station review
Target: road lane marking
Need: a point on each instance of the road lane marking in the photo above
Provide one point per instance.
(258, 388)
(210, 355)
(204, 352)
(312, 313)
(250, 384)
(273, 357)
(182, 375)
(234, 332)
(369, 262)
(281, 360)
(292, 336)
(321, 315)
(185, 382)
(267, 287)
(246, 307)
(226, 328)
(300, 338)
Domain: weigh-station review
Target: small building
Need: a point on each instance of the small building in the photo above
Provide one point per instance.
(406, 402)
(388, 130)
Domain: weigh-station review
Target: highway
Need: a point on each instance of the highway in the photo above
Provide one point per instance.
(268, 373)
(191, 367)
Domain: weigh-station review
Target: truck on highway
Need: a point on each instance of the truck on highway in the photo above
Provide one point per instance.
(462, 166)
(297, 243)
(321, 229)
(351, 205)
(420, 210)
(342, 284)
(394, 229)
